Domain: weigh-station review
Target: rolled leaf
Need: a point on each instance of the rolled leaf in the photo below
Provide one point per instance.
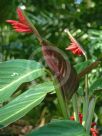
(59, 64)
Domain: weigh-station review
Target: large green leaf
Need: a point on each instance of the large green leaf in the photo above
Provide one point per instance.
(22, 104)
(96, 86)
(60, 128)
(15, 72)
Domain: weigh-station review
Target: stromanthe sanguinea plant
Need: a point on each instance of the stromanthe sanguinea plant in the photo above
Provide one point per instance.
(60, 66)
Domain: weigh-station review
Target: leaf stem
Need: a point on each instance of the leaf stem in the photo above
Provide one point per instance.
(90, 114)
(74, 101)
(85, 110)
(59, 96)
(86, 99)
(61, 99)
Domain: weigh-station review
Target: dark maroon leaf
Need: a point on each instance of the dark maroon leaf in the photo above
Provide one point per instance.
(60, 66)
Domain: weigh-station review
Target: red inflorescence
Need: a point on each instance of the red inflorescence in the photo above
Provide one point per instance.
(22, 24)
(74, 46)
(93, 131)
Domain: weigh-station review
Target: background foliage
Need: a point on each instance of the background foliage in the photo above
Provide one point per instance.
(51, 17)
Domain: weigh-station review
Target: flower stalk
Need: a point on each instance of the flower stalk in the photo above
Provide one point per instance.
(35, 31)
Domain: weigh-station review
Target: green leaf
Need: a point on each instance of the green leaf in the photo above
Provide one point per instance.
(97, 85)
(22, 104)
(60, 128)
(81, 66)
(15, 72)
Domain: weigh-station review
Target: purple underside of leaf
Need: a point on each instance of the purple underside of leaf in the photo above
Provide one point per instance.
(61, 68)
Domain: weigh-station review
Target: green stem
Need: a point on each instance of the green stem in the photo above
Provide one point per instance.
(86, 100)
(85, 110)
(59, 96)
(35, 31)
(90, 114)
(75, 107)
(60, 99)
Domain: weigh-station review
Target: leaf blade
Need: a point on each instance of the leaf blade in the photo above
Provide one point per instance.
(15, 72)
(22, 104)
(60, 128)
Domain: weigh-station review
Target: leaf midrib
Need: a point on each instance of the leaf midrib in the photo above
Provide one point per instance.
(20, 78)
(23, 108)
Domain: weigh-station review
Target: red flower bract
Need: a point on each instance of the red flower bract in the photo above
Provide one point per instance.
(74, 47)
(22, 24)
(94, 132)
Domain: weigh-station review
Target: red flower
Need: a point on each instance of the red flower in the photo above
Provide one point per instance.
(22, 25)
(74, 46)
(93, 131)
(93, 124)
(72, 118)
(80, 118)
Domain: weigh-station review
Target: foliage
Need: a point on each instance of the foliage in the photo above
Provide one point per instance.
(22, 104)
(82, 18)
(16, 72)
(13, 74)
(62, 128)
